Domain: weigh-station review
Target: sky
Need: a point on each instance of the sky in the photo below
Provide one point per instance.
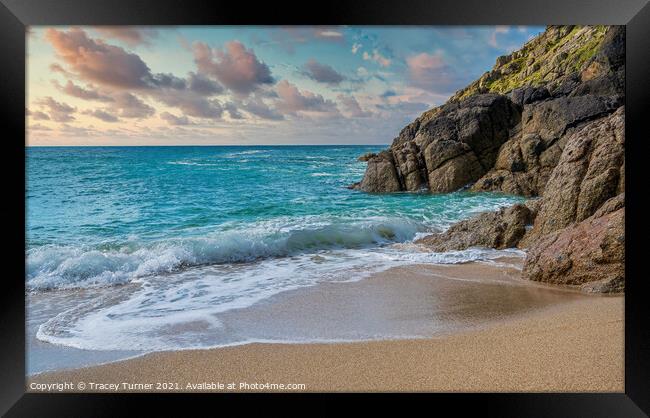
(247, 85)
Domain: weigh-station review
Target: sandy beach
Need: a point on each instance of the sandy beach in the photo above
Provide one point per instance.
(556, 340)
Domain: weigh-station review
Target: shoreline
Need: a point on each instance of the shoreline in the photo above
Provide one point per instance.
(574, 343)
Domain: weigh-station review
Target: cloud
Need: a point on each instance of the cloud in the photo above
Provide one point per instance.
(130, 35)
(288, 37)
(351, 107)
(96, 61)
(306, 34)
(257, 107)
(59, 112)
(57, 68)
(232, 110)
(161, 80)
(405, 107)
(328, 34)
(236, 67)
(131, 106)
(492, 41)
(322, 73)
(377, 57)
(122, 72)
(190, 104)
(175, 120)
(291, 100)
(72, 89)
(38, 115)
(430, 72)
(202, 85)
(38, 127)
(102, 115)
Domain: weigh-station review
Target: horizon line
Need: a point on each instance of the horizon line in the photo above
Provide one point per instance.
(206, 145)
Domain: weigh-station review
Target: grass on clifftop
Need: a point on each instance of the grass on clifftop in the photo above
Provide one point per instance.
(555, 56)
(539, 57)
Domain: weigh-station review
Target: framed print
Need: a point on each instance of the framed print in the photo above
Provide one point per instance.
(368, 198)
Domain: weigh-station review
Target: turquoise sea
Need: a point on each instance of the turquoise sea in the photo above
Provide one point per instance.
(133, 242)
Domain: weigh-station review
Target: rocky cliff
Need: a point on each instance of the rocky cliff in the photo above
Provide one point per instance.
(547, 121)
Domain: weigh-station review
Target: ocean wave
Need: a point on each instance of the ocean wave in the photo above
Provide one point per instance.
(66, 267)
(182, 310)
(247, 152)
(193, 163)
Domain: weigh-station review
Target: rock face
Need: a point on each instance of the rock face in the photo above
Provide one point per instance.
(548, 121)
(587, 174)
(590, 253)
(525, 162)
(556, 108)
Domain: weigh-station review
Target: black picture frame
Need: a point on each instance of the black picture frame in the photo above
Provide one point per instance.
(16, 15)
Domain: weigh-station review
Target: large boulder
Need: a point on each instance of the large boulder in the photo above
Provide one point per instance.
(501, 229)
(380, 176)
(447, 150)
(589, 254)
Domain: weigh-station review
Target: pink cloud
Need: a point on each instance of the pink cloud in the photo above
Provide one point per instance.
(102, 115)
(322, 73)
(130, 35)
(131, 106)
(175, 120)
(37, 115)
(236, 67)
(96, 61)
(351, 107)
(377, 57)
(292, 100)
(190, 103)
(430, 72)
(58, 111)
(257, 107)
(74, 90)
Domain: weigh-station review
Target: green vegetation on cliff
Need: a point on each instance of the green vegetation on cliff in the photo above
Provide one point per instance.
(558, 52)
(545, 60)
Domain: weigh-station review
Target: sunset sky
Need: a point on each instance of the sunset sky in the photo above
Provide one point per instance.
(247, 85)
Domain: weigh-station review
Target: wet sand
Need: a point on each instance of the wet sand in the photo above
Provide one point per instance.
(483, 329)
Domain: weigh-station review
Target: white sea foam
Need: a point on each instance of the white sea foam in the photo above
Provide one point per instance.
(180, 310)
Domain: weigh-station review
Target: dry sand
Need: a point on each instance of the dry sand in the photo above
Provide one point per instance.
(576, 345)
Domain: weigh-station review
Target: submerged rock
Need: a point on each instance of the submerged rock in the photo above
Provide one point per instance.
(501, 229)
(367, 156)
